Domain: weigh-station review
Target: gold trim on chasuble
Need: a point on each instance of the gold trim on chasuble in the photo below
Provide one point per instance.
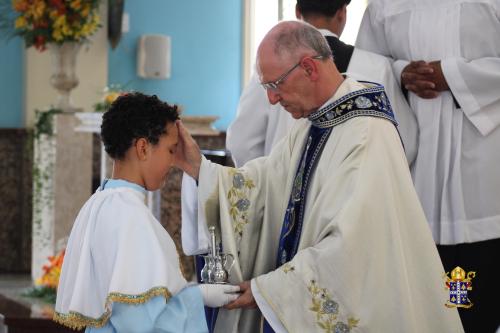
(327, 311)
(78, 321)
(238, 196)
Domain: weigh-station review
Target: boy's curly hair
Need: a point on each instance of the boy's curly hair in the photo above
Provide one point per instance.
(133, 116)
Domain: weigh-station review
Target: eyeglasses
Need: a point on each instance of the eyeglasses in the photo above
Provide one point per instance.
(274, 84)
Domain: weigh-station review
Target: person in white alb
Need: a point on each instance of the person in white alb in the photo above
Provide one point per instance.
(447, 56)
(323, 229)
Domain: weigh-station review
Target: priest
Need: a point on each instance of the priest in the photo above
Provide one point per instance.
(327, 231)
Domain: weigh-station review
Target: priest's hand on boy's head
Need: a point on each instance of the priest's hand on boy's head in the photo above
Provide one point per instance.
(245, 300)
(187, 155)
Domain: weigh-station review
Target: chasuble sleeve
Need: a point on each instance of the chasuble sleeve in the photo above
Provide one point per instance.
(235, 206)
(364, 265)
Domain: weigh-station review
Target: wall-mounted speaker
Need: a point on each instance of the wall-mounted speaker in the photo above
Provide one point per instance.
(153, 57)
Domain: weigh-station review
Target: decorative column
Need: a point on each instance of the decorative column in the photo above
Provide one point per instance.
(62, 182)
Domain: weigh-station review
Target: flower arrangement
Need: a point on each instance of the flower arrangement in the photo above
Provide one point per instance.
(110, 94)
(52, 271)
(40, 22)
(46, 285)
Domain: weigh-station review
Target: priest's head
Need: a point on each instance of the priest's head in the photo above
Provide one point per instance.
(295, 66)
(139, 133)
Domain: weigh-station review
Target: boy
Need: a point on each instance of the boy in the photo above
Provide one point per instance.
(121, 271)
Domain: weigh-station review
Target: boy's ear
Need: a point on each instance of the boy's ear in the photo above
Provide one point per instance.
(141, 148)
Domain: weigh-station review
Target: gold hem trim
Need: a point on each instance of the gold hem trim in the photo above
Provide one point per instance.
(78, 321)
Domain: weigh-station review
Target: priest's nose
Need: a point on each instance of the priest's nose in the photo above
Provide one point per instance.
(273, 96)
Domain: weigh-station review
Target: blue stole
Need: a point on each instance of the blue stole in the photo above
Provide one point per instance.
(365, 102)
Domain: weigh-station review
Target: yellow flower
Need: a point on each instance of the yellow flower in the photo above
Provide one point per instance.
(20, 22)
(111, 97)
(57, 35)
(66, 30)
(37, 9)
(85, 11)
(76, 4)
(60, 21)
(53, 14)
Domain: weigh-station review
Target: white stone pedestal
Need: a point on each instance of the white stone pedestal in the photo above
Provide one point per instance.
(62, 181)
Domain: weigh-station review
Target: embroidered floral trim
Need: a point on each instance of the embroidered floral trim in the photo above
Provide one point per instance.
(288, 268)
(364, 102)
(78, 321)
(238, 199)
(327, 311)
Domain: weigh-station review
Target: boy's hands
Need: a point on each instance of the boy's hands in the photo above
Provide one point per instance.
(188, 155)
(217, 295)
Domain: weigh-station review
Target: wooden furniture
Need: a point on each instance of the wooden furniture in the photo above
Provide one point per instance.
(20, 319)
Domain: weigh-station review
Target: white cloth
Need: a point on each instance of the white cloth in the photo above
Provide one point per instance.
(359, 263)
(117, 252)
(455, 172)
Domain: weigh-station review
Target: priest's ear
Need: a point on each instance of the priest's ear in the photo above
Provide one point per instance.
(310, 67)
(142, 147)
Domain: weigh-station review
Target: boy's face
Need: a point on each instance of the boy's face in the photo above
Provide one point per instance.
(161, 158)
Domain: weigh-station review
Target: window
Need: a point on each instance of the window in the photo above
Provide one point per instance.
(270, 12)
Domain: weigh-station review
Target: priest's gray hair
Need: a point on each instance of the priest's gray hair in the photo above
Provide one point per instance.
(298, 39)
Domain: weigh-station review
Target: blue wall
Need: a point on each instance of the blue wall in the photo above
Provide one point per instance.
(11, 83)
(206, 46)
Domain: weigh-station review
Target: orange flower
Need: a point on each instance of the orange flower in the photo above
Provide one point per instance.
(52, 271)
(20, 5)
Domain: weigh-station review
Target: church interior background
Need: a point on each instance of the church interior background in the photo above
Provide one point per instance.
(52, 162)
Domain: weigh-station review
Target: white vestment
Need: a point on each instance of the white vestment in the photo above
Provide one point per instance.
(455, 172)
(359, 263)
(119, 253)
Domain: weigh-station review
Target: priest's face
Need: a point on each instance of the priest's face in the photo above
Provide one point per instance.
(160, 159)
(286, 83)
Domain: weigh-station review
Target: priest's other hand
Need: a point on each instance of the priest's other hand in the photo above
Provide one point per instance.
(417, 77)
(245, 301)
(187, 154)
(217, 295)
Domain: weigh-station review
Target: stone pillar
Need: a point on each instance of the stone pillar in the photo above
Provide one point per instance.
(61, 184)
